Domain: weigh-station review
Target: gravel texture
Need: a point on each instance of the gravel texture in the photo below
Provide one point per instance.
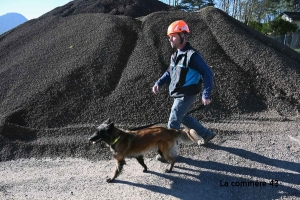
(243, 154)
(64, 73)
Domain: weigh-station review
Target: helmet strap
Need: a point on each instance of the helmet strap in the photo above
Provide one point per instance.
(181, 38)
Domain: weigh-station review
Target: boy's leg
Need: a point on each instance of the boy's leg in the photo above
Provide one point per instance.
(192, 123)
(179, 109)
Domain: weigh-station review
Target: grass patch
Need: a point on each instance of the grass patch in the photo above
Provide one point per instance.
(298, 50)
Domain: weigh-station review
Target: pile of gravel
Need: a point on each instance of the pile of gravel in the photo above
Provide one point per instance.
(67, 71)
(132, 8)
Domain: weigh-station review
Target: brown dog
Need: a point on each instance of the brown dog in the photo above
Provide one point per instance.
(125, 143)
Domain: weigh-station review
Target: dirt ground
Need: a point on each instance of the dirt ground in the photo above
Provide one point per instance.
(249, 159)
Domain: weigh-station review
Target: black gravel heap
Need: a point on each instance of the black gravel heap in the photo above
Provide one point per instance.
(69, 70)
(132, 8)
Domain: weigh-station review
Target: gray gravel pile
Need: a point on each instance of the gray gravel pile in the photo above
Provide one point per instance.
(133, 8)
(63, 74)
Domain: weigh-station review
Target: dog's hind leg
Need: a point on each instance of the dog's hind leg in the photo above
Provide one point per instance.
(119, 167)
(140, 159)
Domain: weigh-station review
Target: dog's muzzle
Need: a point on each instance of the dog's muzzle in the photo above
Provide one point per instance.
(94, 140)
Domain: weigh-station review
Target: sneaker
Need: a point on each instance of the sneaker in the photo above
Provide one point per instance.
(207, 139)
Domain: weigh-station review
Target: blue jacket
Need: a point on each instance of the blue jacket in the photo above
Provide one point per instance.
(187, 69)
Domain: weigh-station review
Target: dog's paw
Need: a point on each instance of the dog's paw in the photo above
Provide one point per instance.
(109, 180)
(168, 170)
(145, 170)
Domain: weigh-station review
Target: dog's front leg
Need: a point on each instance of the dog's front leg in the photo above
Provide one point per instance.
(171, 167)
(119, 167)
(171, 161)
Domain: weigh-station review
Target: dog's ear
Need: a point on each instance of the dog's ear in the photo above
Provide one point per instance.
(110, 126)
(108, 121)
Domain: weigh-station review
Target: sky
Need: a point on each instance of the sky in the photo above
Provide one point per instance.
(30, 8)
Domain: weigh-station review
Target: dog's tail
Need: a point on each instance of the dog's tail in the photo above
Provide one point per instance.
(188, 136)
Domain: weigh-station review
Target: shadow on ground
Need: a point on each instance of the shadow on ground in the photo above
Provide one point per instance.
(210, 182)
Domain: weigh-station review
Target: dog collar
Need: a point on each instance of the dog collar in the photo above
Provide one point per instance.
(116, 140)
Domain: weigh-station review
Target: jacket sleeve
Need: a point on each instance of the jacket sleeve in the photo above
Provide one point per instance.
(197, 63)
(165, 78)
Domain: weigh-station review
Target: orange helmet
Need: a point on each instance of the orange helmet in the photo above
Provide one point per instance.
(177, 27)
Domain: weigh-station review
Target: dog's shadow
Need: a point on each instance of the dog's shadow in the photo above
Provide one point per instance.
(209, 181)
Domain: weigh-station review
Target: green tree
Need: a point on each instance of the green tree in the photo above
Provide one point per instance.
(281, 27)
(266, 28)
(291, 5)
(256, 25)
(194, 5)
(278, 27)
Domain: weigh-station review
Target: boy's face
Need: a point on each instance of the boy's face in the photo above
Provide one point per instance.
(175, 40)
